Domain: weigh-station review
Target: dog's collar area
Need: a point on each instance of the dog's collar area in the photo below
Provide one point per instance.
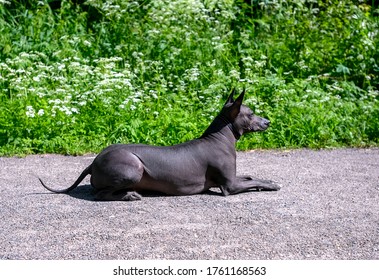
(229, 124)
(236, 134)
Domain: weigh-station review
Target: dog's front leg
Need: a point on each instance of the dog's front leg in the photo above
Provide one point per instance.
(248, 183)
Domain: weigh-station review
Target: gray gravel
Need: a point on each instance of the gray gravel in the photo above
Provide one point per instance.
(328, 208)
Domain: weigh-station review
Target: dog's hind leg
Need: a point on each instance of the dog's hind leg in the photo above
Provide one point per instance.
(115, 174)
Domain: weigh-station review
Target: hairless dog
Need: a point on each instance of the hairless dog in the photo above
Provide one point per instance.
(120, 171)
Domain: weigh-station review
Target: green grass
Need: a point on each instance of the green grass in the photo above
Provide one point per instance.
(80, 77)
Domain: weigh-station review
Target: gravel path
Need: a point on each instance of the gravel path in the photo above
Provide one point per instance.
(328, 208)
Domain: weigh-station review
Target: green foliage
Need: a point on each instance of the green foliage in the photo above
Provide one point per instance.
(77, 78)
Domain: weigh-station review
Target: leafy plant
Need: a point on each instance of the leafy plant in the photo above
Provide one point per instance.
(78, 77)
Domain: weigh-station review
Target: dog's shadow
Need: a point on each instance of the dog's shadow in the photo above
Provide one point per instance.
(87, 192)
(84, 192)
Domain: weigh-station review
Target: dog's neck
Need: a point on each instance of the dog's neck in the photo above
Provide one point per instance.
(218, 124)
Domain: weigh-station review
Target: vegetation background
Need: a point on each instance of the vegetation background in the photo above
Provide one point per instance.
(76, 76)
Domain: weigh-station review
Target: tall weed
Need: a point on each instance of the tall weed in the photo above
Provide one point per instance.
(82, 76)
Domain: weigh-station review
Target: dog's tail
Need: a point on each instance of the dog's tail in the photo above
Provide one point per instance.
(77, 182)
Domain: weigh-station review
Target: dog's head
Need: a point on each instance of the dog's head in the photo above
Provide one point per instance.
(242, 117)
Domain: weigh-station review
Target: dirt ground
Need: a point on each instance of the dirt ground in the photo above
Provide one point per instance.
(328, 208)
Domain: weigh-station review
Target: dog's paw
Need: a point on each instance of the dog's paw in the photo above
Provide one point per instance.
(272, 186)
(260, 184)
(132, 196)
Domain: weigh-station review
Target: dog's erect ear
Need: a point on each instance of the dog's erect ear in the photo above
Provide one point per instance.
(240, 98)
(236, 107)
(230, 99)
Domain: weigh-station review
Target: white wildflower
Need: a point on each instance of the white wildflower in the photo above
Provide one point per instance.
(87, 43)
(75, 64)
(75, 110)
(41, 112)
(194, 74)
(30, 112)
(61, 66)
(234, 74)
(65, 110)
(153, 94)
(24, 54)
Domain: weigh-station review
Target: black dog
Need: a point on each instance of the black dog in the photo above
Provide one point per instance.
(120, 171)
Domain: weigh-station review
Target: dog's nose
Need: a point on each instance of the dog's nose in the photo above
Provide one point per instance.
(267, 122)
